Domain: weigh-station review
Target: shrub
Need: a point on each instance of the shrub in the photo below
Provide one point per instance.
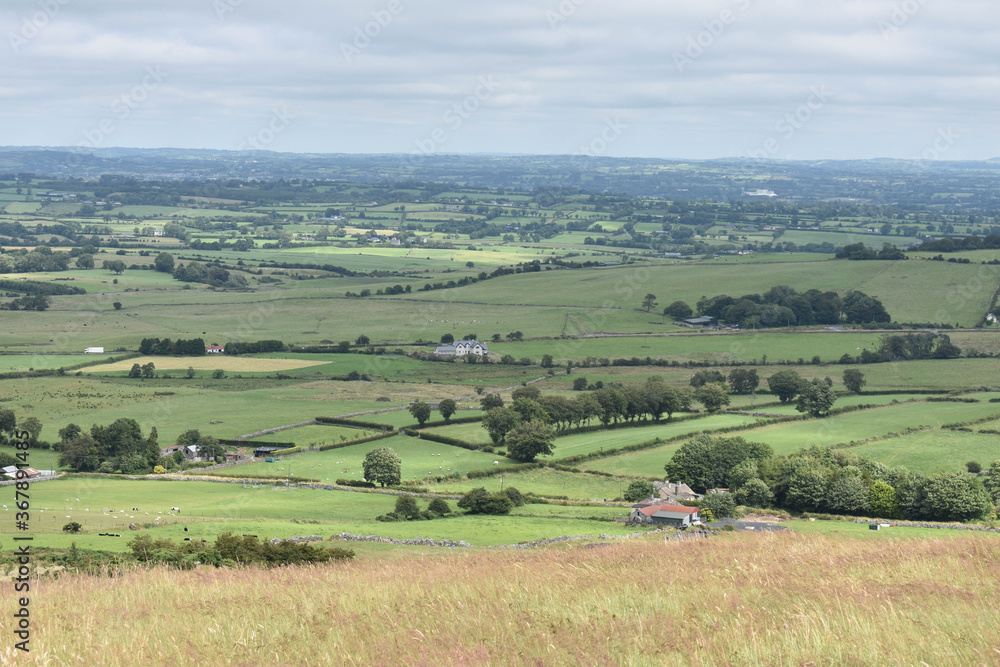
(355, 482)
(639, 490)
(481, 501)
(73, 527)
(973, 467)
(515, 496)
(720, 503)
(439, 506)
(406, 507)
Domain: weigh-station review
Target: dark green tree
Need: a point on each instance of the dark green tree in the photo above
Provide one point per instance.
(743, 380)
(528, 440)
(135, 371)
(447, 408)
(481, 501)
(754, 493)
(638, 490)
(816, 398)
(498, 422)
(420, 411)
(721, 503)
(785, 385)
(490, 401)
(678, 310)
(854, 380)
(164, 263)
(712, 395)
(406, 508)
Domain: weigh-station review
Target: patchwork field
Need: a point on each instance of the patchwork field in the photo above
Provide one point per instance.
(208, 362)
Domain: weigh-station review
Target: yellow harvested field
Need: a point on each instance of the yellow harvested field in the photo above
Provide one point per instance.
(207, 363)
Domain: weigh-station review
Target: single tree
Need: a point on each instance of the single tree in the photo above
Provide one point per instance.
(218, 374)
(816, 398)
(648, 302)
(33, 427)
(447, 339)
(712, 395)
(148, 370)
(73, 527)
(382, 466)
(579, 383)
(362, 340)
(490, 401)
(991, 481)
(743, 380)
(117, 305)
(854, 380)
(164, 262)
(135, 371)
(678, 310)
(528, 440)
(85, 261)
(481, 501)
(420, 411)
(785, 385)
(498, 422)
(447, 408)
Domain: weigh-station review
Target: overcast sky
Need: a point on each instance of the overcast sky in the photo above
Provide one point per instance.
(798, 79)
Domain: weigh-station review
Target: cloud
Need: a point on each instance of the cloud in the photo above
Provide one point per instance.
(699, 80)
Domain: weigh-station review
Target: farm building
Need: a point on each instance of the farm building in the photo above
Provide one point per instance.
(214, 349)
(460, 348)
(94, 350)
(677, 516)
(266, 450)
(675, 491)
(700, 322)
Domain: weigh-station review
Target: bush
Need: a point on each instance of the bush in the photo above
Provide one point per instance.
(439, 506)
(355, 482)
(73, 527)
(481, 501)
(406, 507)
(515, 496)
(639, 490)
(720, 503)
(973, 467)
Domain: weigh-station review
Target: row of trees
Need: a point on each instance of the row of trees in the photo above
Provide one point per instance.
(194, 347)
(783, 306)
(820, 479)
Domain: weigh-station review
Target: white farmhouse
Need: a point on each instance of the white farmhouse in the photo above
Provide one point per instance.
(94, 350)
(460, 348)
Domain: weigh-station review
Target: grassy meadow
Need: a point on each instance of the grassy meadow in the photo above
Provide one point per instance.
(740, 599)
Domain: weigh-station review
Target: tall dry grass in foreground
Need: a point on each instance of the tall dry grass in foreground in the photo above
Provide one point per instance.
(737, 599)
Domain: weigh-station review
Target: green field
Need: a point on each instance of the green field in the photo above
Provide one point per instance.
(420, 458)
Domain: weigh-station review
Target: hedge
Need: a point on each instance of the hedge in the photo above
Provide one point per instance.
(355, 482)
(291, 450)
(445, 440)
(340, 421)
(461, 420)
(500, 470)
(357, 441)
(256, 443)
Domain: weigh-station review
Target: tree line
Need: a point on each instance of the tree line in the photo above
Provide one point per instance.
(820, 479)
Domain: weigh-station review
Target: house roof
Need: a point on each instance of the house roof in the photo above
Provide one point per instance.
(653, 510)
(700, 320)
(671, 515)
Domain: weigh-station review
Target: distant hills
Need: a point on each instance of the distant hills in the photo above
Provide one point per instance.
(972, 185)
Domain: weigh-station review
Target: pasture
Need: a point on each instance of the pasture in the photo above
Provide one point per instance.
(208, 362)
(420, 459)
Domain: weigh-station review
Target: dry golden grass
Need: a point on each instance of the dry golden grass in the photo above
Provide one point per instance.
(208, 363)
(734, 600)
